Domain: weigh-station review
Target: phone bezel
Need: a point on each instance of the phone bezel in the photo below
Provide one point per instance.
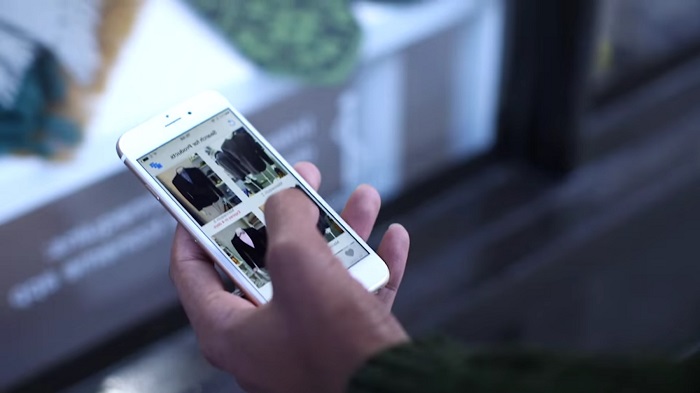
(371, 271)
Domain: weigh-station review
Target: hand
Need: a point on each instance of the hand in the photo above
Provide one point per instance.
(321, 324)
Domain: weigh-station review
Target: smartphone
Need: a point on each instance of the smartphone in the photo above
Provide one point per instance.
(213, 171)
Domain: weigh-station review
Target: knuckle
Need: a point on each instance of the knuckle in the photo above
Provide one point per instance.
(171, 271)
(177, 269)
(211, 353)
(214, 334)
(367, 209)
(276, 200)
(216, 353)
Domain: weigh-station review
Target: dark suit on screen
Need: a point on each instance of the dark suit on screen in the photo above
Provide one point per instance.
(196, 187)
(252, 256)
(242, 146)
(232, 165)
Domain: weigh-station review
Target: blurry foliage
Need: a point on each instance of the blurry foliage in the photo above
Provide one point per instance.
(315, 40)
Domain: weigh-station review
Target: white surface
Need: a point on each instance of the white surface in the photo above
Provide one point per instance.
(390, 28)
(478, 80)
(171, 55)
(381, 125)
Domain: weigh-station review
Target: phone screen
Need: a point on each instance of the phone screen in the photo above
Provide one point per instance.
(222, 175)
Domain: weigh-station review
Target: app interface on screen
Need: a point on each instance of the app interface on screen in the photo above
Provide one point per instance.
(222, 176)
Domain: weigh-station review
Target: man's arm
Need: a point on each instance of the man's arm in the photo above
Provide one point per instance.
(444, 366)
(321, 324)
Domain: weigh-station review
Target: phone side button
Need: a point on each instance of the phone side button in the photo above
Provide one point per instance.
(152, 192)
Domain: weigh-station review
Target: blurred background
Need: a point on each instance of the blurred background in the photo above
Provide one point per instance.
(544, 155)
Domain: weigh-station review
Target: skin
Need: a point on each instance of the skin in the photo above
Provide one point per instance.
(321, 324)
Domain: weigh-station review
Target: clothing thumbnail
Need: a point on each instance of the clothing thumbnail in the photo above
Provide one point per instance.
(245, 243)
(246, 162)
(198, 189)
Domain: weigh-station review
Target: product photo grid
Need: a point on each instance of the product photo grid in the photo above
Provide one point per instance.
(245, 243)
(223, 182)
(199, 189)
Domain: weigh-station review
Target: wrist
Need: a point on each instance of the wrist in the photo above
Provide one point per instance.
(405, 368)
(388, 335)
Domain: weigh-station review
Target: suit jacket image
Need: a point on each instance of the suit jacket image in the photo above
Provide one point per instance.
(259, 151)
(232, 165)
(256, 147)
(196, 187)
(242, 146)
(252, 256)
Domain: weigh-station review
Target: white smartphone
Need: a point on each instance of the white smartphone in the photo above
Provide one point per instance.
(213, 171)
